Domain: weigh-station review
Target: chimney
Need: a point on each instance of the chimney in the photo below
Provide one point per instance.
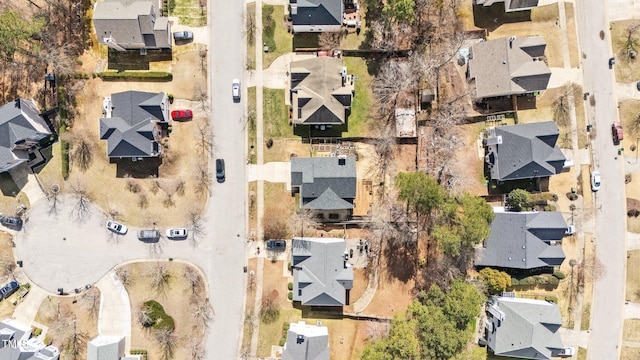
(300, 339)
(342, 161)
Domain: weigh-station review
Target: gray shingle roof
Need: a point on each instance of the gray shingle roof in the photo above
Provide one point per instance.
(133, 24)
(511, 5)
(529, 330)
(318, 12)
(524, 151)
(27, 348)
(520, 240)
(314, 176)
(320, 273)
(318, 94)
(306, 342)
(19, 120)
(501, 67)
(105, 347)
(131, 129)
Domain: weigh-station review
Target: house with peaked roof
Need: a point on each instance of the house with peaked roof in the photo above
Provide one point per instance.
(321, 94)
(508, 66)
(523, 242)
(133, 124)
(327, 186)
(523, 151)
(523, 328)
(16, 343)
(22, 132)
(321, 274)
(510, 5)
(108, 348)
(316, 15)
(131, 24)
(306, 342)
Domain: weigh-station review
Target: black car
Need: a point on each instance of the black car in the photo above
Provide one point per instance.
(612, 61)
(220, 176)
(276, 244)
(11, 222)
(9, 289)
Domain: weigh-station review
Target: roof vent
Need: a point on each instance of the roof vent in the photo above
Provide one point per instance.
(300, 339)
(342, 161)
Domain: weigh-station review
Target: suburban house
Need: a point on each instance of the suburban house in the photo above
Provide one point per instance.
(306, 342)
(510, 5)
(508, 67)
(523, 328)
(523, 242)
(16, 343)
(327, 186)
(316, 15)
(133, 123)
(321, 274)
(321, 94)
(23, 131)
(108, 348)
(523, 151)
(131, 25)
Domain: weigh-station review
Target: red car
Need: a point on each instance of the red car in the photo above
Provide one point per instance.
(181, 114)
(616, 132)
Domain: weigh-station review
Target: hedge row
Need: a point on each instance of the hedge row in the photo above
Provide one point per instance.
(139, 352)
(136, 75)
(535, 280)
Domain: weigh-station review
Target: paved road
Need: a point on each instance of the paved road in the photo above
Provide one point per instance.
(606, 310)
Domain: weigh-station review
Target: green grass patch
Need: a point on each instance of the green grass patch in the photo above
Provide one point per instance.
(586, 317)
(251, 125)
(251, 36)
(276, 114)
(274, 34)
(136, 75)
(139, 352)
(361, 104)
(190, 12)
(160, 320)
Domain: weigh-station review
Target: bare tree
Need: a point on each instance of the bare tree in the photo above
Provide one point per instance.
(631, 41)
(269, 311)
(75, 344)
(159, 278)
(203, 180)
(143, 201)
(123, 275)
(196, 350)
(196, 227)
(193, 279)
(82, 207)
(202, 96)
(590, 270)
(144, 317)
(634, 124)
(202, 314)
(61, 60)
(376, 330)
(82, 150)
(204, 141)
(251, 281)
(562, 107)
(90, 301)
(52, 196)
(305, 221)
(168, 342)
(330, 40)
(274, 222)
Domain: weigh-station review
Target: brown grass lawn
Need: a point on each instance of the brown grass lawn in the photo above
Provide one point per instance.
(633, 192)
(631, 330)
(66, 311)
(629, 353)
(572, 35)
(628, 112)
(543, 22)
(6, 256)
(633, 277)
(627, 69)
(177, 301)
(469, 161)
(249, 305)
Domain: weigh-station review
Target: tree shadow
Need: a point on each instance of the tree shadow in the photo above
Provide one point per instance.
(400, 258)
(494, 16)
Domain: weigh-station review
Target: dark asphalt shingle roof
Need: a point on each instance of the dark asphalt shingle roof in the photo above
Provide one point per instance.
(19, 120)
(529, 330)
(501, 67)
(128, 21)
(314, 176)
(526, 151)
(130, 129)
(320, 273)
(318, 12)
(520, 240)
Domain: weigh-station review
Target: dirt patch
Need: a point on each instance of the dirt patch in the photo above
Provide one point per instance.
(470, 162)
(177, 298)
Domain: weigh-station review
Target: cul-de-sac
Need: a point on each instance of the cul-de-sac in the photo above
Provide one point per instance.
(319, 179)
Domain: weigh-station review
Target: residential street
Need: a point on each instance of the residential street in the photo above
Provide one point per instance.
(609, 237)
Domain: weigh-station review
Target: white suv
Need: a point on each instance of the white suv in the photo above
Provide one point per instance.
(595, 180)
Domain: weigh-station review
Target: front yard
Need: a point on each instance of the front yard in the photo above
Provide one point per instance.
(626, 38)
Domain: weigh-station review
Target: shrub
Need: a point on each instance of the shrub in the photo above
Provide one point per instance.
(36, 331)
(633, 212)
(269, 143)
(559, 275)
(515, 282)
(528, 281)
(136, 75)
(290, 286)
(282, 341)
(496, 281)
(518, 198)
(155, 311)
(289, 266)
(552, 299)
(290, 295)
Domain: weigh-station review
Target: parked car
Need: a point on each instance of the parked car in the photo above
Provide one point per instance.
(638, 85)
(595, 180)
(184, 114)
(612, 61)
(567, 352)
(9, 289)
(235, 90)
(616, 132)
(116, 227)
(11, 222)
(276, 244)
(149, 235)
(183, 35)
(220, 174)
(176, 233)
(571, 229)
